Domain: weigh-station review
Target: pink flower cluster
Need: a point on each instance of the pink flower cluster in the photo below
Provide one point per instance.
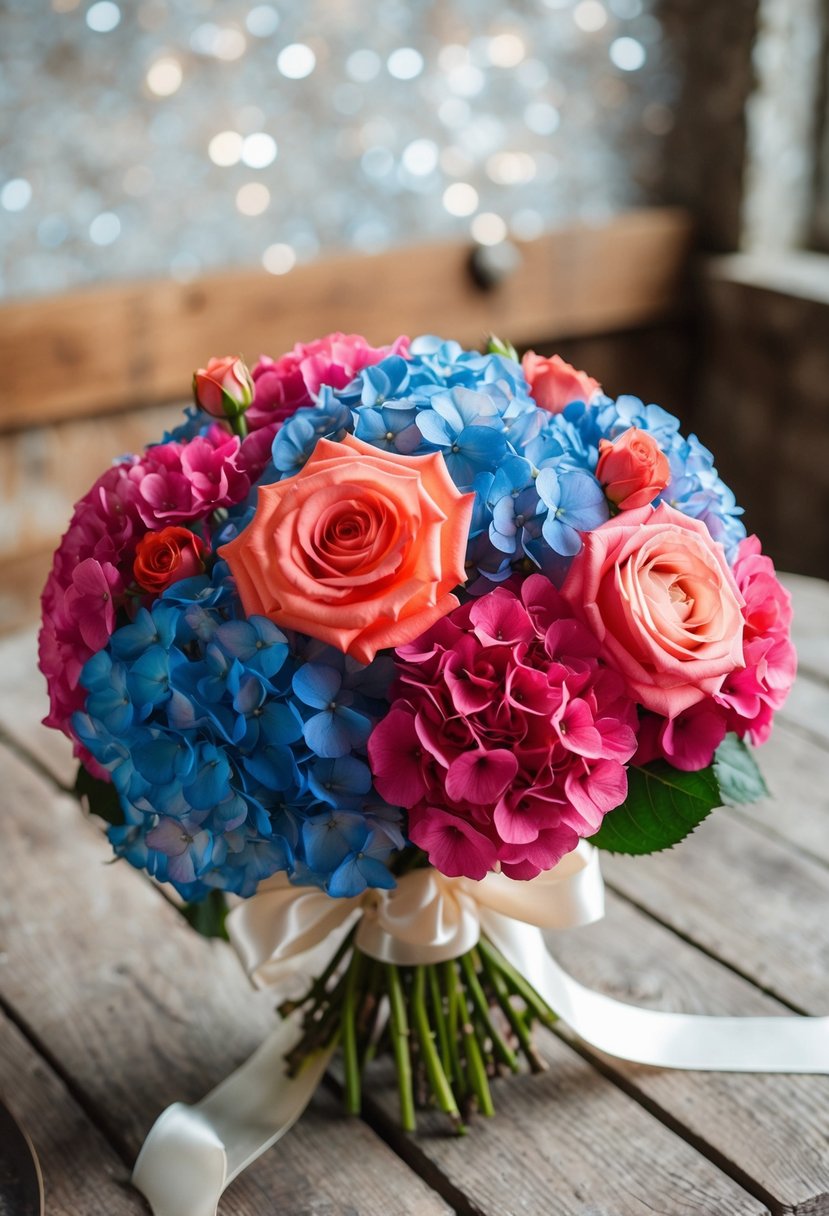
(750, 693)
(508, 737)
(170, 483)
(284, 385)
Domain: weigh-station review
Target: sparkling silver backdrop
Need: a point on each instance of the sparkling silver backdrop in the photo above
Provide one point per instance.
(154, 137)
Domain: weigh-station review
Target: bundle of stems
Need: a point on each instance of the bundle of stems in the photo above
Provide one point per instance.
(451, 1027)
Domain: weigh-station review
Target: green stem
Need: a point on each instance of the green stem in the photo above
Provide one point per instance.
(516, 1021)
(439, 1019)
(478, 1082)
(482, 1008)
(317, 992)
(238, 425)
(450, 983)
(434, 1069)
(351, 1064)
(519, 985)
(400, 1044)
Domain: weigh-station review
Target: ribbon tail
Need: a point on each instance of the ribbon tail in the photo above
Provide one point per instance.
(663, 1040)
(193, 1152)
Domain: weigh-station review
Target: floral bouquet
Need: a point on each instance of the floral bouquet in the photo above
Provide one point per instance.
(366, 650)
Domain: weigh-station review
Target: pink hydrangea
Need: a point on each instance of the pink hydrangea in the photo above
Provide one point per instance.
(508, 739)
(284, 385)
(92, 569)
(180, 482)
(752, 693)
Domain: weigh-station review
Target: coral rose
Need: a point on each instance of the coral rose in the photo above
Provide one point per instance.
(656, 590)
(632, 469)
(163, 558)
(554, 383)
(361, 549)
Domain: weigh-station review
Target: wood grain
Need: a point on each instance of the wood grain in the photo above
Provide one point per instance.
(565, 1142)
(105, 995)
(23, 705)
(125, 347)
(82, 1175)
(752, 901)
(770, 1129)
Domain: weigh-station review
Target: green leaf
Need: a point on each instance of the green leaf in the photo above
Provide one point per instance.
(737, 774)
(99, 797)
(663, 806)
(499, 346)
(208, 916)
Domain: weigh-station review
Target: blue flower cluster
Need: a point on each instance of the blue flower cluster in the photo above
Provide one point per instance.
(533, 473)
(237, 750)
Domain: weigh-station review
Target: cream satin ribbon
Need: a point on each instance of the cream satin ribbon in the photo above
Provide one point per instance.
(284, 935)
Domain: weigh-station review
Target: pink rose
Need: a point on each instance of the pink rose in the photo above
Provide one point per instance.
(223, 389)
(554, 383)
(632, 469)
(656, 590)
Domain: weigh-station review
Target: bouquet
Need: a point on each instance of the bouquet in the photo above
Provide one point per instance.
(366, 651)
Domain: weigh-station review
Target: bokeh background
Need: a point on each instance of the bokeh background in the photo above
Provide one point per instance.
(638, 184)
(171, 137)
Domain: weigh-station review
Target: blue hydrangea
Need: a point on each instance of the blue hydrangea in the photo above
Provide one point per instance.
(231, 744)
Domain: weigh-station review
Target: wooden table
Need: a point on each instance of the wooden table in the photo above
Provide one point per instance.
(111, 1007)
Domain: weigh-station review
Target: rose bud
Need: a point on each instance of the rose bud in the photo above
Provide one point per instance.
(632, 469)
(224, 388)
(165, 557)
(554, 383)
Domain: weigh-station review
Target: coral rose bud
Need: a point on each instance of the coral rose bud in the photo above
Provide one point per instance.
(554, 383)
(224, 388)
(165, 557)
(632, 469)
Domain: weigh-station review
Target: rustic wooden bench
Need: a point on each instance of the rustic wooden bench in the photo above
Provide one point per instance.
(111, 1007)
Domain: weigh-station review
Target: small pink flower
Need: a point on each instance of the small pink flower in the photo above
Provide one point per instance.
(554, 383)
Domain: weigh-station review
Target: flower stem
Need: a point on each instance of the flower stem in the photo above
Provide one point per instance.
(351, 1062)
(239, 426)
(439, 1018)
(478, 1082)
(482, 1008)
(400, 1045)
(515, 1019)
(317, 992)
(519, 985)
(434, 1069)
(450, 983)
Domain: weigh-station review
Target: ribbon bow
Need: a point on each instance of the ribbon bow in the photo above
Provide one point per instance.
(285, 934)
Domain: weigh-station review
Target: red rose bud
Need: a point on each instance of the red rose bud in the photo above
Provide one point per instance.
(224, 388)
(165, 557)
(632, 469)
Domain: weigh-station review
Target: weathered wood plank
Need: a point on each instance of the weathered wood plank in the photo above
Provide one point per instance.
(750, 900)
(23, 704)
(810, 627)
(81, 1173)
(140, 1011)
(122, 347)
(796, 768)
(771, 1129)
(565, 1141)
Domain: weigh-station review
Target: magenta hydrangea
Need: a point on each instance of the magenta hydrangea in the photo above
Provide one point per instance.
(175, 482)
(507, 739)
